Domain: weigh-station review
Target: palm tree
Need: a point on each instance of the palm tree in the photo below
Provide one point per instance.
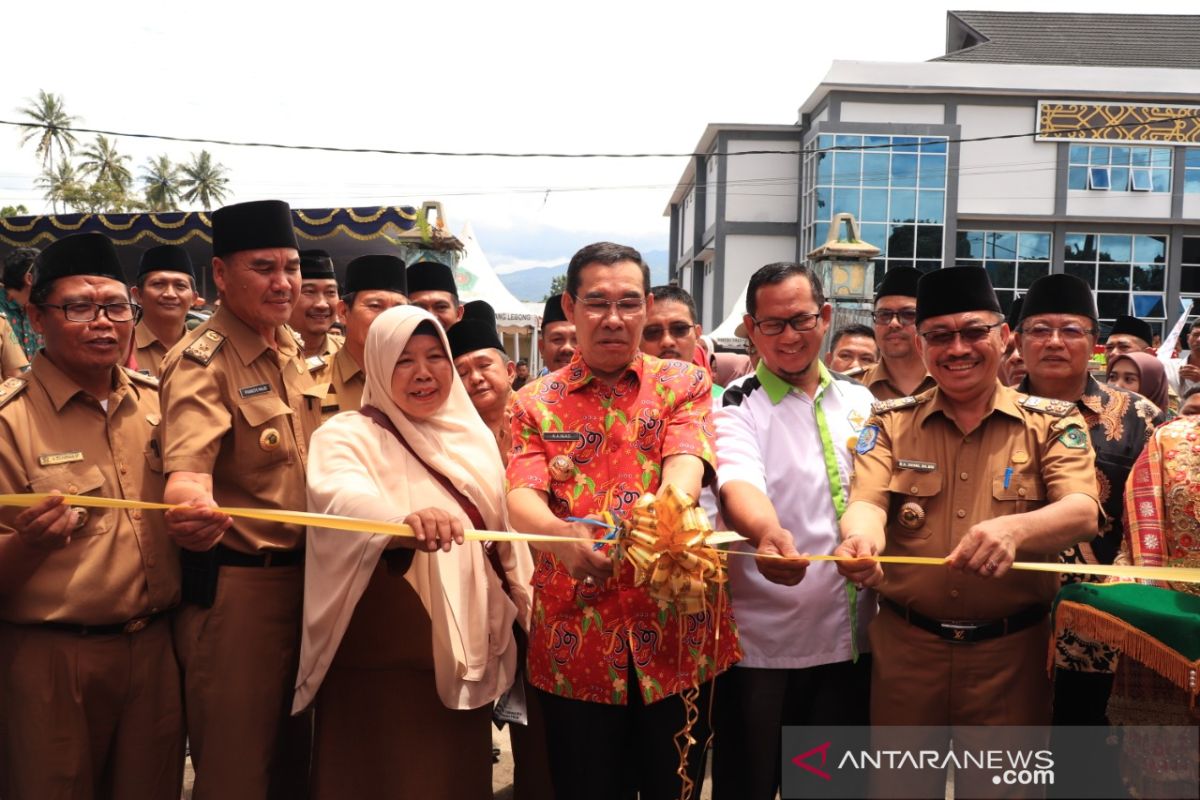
(104, 164)
(204, 181)
(161, 183)
(62, 185)
(50, 126)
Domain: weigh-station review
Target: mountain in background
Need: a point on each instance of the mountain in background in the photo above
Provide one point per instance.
(533, 284)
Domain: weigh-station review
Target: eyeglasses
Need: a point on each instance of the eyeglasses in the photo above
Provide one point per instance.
(798, 323)
(970, 334)
(90, 312)
(678, 330)
(600, 308)
(1068, 333)
(907, 316)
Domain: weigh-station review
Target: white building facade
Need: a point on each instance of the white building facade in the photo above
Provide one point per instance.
(991, 155)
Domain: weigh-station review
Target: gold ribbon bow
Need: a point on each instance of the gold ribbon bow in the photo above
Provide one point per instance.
(665, 538)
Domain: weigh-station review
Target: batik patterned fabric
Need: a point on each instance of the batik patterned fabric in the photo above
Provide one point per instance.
(595, 448)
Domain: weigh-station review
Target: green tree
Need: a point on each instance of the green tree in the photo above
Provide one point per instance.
(61, 184)
(13, 211)
(103, 164)
(49, 125)
(557, 286)
(204, 181)
(161, 184)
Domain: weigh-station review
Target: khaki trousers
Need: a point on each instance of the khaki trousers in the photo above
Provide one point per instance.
(239, 663)
(86, 717)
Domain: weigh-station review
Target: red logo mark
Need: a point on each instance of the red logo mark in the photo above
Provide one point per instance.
(800, 761)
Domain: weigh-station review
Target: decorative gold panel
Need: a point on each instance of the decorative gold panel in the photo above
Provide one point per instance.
(1099, 122)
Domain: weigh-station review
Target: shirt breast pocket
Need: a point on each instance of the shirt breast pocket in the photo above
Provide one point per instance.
(1024, 491)
(912, 492)
(79, 479)
(266, 419)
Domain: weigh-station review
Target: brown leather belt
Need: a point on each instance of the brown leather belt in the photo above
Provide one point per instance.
(968, 631)
(132, 626)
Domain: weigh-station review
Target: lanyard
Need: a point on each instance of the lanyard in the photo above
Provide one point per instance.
(838, 491)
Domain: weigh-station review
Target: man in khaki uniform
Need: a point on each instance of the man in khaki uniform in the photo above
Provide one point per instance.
(238, 409)
(166, 289)
(90, 700)
(316, 311)
(899, 372)
(12, 358)
(374, 283)
(981, 475)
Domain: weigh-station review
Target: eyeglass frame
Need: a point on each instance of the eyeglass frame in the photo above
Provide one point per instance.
(135, 309)
(1049, 330)
(654, 333)
(896, 315)
(610, 306)
(955, 334)
(790, 322)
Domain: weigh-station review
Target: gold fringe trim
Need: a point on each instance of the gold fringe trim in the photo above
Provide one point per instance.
(1133, 642)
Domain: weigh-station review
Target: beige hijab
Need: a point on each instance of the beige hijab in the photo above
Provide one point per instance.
(357, 468)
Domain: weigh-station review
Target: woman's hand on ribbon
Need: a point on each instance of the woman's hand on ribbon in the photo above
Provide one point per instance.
(778, 542)
(580, 559)
(864, 570)
(47, 525)
(434, 529)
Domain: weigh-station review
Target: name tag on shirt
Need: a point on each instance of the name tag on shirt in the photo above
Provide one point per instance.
(562, 436)
(251, 391)
(919, 466)
(50, 459)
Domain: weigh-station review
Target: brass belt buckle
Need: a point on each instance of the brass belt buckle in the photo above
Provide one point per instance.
(959, 630)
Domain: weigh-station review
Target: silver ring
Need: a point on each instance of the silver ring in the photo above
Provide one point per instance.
(589, 580)
(991, 566)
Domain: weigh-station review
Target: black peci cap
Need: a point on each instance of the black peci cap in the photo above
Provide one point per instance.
(431, 276)
(1134, 327)
(901, 281)
(1059, 294)
(166, 258)
(475, 331)
(553, 311)
(315, 265)
(256, 225)
(953, 290)
(81, 254)
(376, 272)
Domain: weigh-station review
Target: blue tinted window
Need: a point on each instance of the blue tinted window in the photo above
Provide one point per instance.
(875, 168)
(904, 205)
(1160, 180)
(846, 200)
(824, 141)
(1139, 156)
(1148, 277)
(848, 140)
(905, 144)
(1191, 157)
(1001, 244)
(877, 141)
(1147, 305)
(1100, 155)
(823, 199)
(824, 168)
(847, 168)
(1077, 178)
(1078, 154)
(875, 234)
(1150, 249)
(1119, 179)
(1098, 178)
(933, 145)
(901, 241)
(1120, 155)
(904, 170)
(1160, 156)
(932, 172)
(1115, 248)
(1002, 273)
(1080, 247)
(874, 205)
(1191, 182)
(1085, 272)
(1034, 245)
(1112, 304)
(931, 207)
(970, 244)
(1114, 276)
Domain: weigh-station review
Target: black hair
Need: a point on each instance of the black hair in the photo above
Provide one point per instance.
(673, 294)
(852, 330)
(778, 272)
(607, 254)
(17, 265)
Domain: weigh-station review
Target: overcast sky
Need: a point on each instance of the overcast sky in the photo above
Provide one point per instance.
(619, 76)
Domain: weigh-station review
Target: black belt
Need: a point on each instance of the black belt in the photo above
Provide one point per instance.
(132, 626)
(968, 631)
(267, 558)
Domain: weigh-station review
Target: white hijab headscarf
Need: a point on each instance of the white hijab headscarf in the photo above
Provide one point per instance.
(356, 468)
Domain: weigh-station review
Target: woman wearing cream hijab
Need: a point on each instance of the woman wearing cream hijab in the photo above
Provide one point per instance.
(407, 642)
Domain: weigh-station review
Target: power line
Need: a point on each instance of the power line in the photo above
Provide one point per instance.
(496, 154)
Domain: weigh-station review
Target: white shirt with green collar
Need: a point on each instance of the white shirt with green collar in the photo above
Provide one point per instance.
(769, 434)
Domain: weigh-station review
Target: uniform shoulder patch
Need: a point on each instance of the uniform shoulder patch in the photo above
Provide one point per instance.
(204, 347)
(140, 377)
(895, 403)
(11, 388)
(1046, 405)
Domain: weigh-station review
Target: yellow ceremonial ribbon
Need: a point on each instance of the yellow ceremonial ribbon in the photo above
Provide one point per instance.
(716, 539)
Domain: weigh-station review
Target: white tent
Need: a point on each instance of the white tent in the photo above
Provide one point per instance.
(724, 334)
(477, 280)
